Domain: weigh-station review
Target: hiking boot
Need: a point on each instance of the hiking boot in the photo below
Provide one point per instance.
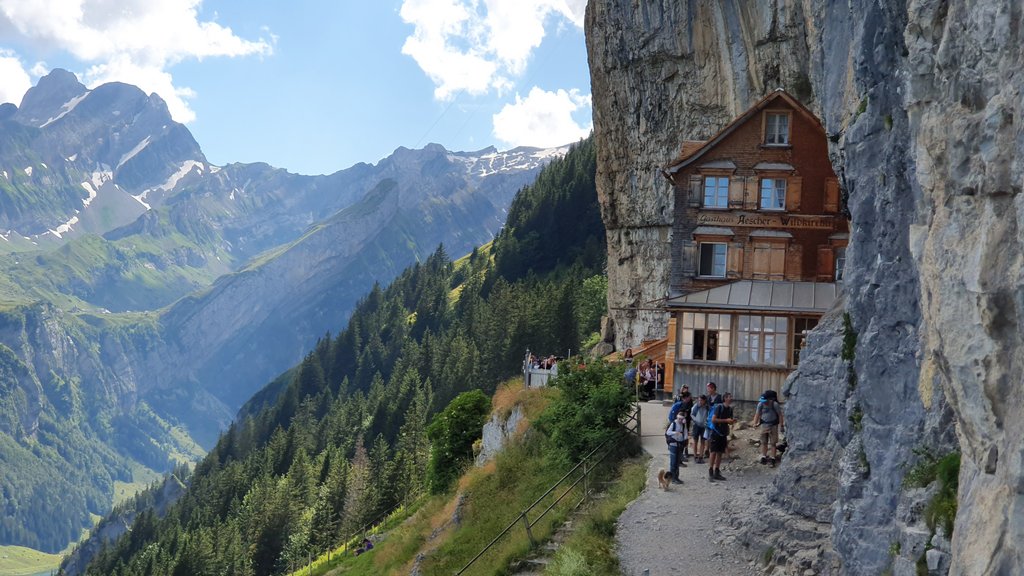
(764, 459)
(718, 475)
(711, 475)
(682, 463)
(772, 461)
(674, 481)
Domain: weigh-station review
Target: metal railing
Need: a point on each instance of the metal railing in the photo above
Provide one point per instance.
(612, 444)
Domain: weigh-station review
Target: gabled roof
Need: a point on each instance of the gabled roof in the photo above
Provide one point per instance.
(691, 152)
(763, 296)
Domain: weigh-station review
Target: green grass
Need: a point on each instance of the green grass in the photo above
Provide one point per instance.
(590, 550)
(945, 470)
(19, 561)
(142, 478)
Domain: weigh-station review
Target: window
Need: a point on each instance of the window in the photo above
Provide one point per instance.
(769, 261)
(776, 129)
(762, 340)
(705, 337)
(773, 194)
(712, 260)
(716, 192)
(801, 326)
(840, 261)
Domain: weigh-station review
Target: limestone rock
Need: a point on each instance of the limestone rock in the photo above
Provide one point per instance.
(922, 104)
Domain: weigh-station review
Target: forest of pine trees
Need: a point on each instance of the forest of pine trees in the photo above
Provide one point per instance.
(341, 438)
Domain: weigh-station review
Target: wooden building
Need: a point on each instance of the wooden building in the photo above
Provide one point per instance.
(758, 244)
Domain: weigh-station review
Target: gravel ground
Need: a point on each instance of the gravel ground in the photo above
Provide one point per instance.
(673, 533)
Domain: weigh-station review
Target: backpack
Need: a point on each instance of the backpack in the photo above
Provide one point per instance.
(769, 411)
(711, 414)
(676, 407)
(669, 439)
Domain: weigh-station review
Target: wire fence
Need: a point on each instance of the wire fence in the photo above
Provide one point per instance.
(581, 474)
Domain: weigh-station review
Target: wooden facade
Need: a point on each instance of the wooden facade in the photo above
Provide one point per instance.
(758, 206)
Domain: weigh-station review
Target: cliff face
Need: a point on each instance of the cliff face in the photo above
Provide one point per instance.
(920, 101)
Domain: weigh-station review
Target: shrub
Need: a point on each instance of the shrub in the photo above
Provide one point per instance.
(452, 433)
(588, 411)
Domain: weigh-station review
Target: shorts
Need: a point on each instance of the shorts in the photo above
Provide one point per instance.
(719, 443)
(698, 431)
(769, 434)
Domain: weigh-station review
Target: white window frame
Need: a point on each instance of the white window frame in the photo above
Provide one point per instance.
(718, 186)
(715, 255)
(695, 326)
(776, 129)
(757, 343)
(770, 198)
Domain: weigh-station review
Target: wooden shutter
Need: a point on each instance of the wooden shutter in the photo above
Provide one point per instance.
(696, 189)
(762, 261)
(734, 261)
(831, 195)
(689, 258)
(736, 192)
(794, 185)
(777, 265)
(795, 262)
(826, 264)
(752, 194)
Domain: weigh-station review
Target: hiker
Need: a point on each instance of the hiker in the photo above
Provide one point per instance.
(675, 436)
(713, 398)
(721, 418)
(699, 415)
(770, 418)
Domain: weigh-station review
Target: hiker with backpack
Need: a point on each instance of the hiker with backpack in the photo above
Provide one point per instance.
(699, 416)
(770, 418)
(720, 419)
(675, 436)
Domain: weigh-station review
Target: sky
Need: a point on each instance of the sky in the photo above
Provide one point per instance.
(315, 86)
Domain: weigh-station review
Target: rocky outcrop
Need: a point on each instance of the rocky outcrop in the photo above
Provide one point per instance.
(921, 101)
(664, 72)
(497, 432)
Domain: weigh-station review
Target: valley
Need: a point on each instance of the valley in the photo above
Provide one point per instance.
(146, 294)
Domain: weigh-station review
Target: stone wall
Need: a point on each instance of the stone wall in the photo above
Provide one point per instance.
(920, 101)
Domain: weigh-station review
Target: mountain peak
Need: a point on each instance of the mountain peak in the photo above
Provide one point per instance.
(44, 100)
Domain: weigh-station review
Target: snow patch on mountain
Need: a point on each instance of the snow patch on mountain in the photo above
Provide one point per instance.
(64, 228)
(131, 153)
(186, 167)
(28, 170)
(517, 159)
(65, 108)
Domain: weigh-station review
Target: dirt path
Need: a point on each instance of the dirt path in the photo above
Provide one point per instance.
(673, 533)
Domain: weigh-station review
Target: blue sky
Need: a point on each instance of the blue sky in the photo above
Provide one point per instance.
(316, 86)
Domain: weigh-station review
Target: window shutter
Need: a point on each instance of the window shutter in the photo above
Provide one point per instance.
(795, 262)
(735, 261)
(777, 266)
(689, 259)
(696, 189)
(752, 194)
(826, 263)
(794, 184)
(736, 190)
(831, 195)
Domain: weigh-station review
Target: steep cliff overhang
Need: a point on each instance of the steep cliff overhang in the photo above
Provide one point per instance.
(691, 153)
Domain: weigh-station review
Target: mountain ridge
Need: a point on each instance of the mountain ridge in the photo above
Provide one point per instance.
(219, 278)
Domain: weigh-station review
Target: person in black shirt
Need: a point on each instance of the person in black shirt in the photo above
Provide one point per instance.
(721, 418)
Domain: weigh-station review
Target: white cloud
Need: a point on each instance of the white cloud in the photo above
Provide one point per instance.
(542, 119)
(132, 41)
(15, 79)
(475, 46)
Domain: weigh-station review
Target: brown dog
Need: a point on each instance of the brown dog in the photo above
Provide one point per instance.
(663, 479)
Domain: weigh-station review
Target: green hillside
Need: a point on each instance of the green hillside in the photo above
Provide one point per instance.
(343, 437)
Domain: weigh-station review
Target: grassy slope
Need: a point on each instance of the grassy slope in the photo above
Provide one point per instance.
(493, 496)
